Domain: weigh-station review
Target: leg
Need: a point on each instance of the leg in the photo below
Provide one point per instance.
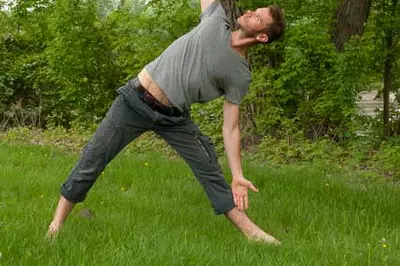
(199, 152)
(113, 134)
(118, 128)
(250, 229)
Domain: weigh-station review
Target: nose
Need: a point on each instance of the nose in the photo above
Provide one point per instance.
(249, 13)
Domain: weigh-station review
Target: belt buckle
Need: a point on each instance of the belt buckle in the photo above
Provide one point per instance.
(147, 97)
(152, 101)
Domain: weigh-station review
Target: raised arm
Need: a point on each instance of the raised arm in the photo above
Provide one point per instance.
(205, 4)
(231, 134)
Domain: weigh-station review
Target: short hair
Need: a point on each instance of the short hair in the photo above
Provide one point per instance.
(275, 29)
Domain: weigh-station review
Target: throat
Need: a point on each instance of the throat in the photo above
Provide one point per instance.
(239, 44)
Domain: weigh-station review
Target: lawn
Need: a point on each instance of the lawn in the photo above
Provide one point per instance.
(149, 210)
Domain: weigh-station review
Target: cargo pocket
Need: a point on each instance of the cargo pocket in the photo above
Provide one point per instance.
(207, 146)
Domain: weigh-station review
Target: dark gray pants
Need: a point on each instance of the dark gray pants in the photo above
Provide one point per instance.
(126, 120)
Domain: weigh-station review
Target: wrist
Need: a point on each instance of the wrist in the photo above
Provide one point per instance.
(237, 177)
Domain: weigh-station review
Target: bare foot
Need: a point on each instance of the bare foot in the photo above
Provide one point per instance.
(263, 238)
(250, 229)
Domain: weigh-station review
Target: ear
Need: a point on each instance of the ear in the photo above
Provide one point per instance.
(262, 37)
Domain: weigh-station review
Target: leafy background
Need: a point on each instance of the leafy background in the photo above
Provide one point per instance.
(62, 61)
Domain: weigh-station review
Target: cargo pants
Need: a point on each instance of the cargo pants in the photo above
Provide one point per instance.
(129, 117)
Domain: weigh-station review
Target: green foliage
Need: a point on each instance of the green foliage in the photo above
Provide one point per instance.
(141, 36)
(72, 140)
(387, 159)
(81, 63)
(209, 118)
(305, 80)
(370, 157)
(61, 62)
(298, 9)
(314, 86)
(21, 44)
(297, 149)
(65, 59)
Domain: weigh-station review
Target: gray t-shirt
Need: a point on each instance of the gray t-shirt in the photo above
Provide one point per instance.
(201, 65)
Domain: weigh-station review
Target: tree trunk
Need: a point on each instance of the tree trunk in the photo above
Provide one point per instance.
(232, 11)
(351, 17)
(388, 74)
(387, 86)
(121, 4)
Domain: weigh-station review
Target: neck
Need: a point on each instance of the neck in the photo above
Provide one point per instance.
(241, 43)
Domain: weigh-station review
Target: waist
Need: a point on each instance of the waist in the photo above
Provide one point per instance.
(146, 97)
(152, 87)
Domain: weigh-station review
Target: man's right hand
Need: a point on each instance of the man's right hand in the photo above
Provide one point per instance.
(240, 187)
(53, 230)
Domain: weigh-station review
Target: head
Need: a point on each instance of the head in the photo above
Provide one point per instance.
(264, 24)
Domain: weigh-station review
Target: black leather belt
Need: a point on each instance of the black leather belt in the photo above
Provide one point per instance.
(154, 104)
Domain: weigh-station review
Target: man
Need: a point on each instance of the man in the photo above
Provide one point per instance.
(202, 65)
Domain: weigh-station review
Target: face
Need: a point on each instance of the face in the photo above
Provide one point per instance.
(252, 22)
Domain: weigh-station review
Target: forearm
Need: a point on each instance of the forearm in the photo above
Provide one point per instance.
(232, 148)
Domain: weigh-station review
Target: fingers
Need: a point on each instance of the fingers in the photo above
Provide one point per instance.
(241, 203)
(246, 202)
(52, 233)
(252, 187)
(240, 196)
(238, 200)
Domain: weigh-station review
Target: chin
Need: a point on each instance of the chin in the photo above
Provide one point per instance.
(239, 23)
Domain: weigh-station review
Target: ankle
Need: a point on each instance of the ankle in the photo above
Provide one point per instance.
(243, 222)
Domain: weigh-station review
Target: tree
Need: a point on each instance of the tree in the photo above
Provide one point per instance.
(232, 10)
(351, 17)
(82, 62)
(391, 24)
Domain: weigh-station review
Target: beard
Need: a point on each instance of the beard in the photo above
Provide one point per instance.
(236, 25)
(240, 24)
(246, 31)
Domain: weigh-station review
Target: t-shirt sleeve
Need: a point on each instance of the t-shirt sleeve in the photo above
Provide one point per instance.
(235, 82)
(214, 8)
(235, 94)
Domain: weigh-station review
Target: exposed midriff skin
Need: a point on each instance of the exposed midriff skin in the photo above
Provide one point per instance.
(151, 86)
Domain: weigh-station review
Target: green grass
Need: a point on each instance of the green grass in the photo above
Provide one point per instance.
(157, 214)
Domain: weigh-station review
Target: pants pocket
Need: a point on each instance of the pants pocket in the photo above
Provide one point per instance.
(206, 145)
